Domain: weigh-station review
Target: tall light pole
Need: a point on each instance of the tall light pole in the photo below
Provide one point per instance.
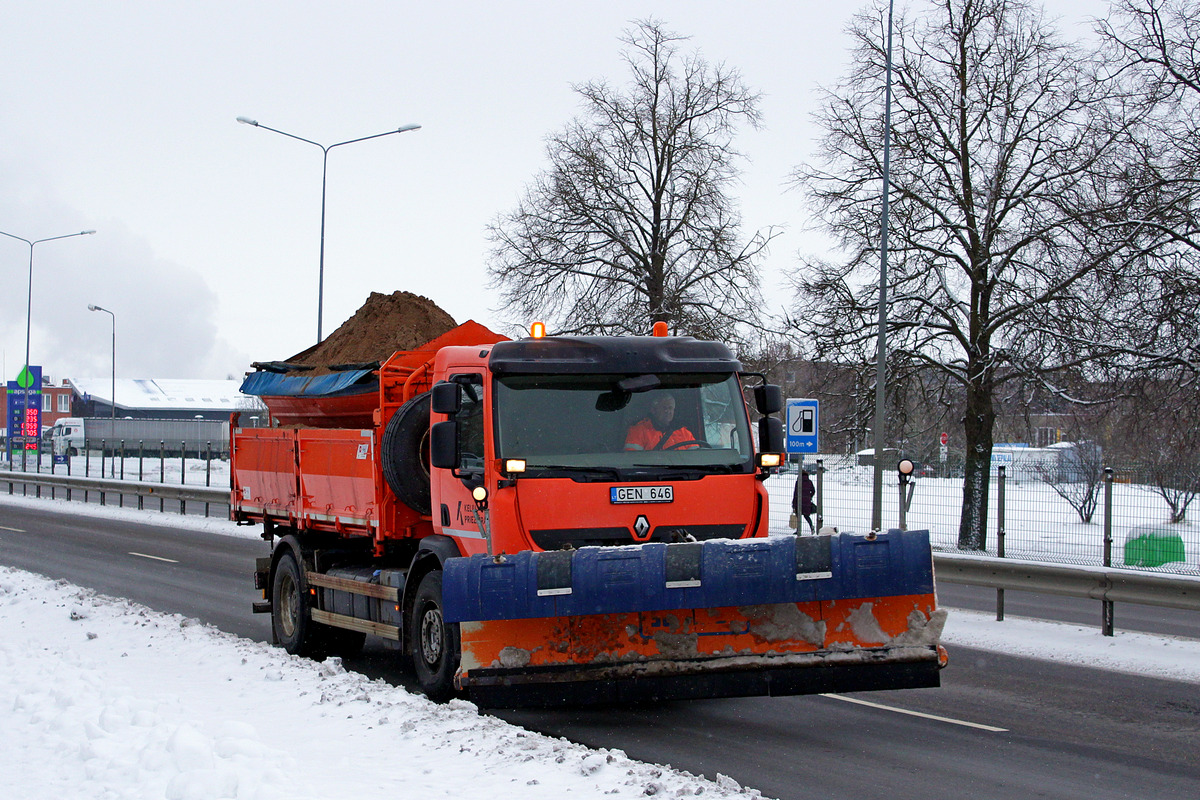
(881, 346)
(324, 171)
(29, 296)
(26, 373)
(114, 354)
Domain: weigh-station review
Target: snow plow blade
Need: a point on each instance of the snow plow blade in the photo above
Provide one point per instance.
(720, 618)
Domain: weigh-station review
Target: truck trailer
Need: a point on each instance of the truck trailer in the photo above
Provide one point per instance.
(73, 435)
(495, 509)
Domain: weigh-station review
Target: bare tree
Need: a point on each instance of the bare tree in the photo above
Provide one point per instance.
(1006, 246)
(1152, 48)
(1160, 441)
(631, 223)
(1076, 476)
(1151, 52)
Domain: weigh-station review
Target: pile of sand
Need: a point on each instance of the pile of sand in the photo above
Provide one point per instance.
(384, 324)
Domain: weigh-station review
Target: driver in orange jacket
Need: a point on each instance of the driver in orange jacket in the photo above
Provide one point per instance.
(656, 432)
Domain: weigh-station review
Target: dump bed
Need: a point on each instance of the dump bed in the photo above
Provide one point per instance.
(310, 479)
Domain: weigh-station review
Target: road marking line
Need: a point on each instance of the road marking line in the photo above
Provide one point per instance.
(156, 558)
(14, 530)
(934, 717)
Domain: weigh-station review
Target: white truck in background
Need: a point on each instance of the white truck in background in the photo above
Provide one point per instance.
(71, 436)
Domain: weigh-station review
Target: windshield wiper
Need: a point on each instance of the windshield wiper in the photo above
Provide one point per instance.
(689, 471)
(580, 474)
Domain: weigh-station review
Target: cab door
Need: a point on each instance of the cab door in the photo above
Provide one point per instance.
(454, 508)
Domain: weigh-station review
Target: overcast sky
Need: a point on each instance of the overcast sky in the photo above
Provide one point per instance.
(121, 117)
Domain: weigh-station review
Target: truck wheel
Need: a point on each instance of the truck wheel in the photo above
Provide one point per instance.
(435, 642)
(294, 628)
(405, 453)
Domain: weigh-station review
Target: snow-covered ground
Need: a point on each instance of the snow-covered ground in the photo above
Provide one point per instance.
(104, 698)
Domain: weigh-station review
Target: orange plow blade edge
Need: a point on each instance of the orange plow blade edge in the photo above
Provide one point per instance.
(719, 618)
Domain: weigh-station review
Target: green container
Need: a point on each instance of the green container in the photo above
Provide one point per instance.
(1152, 546)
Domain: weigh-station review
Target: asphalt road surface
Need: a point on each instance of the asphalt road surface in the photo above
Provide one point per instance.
(999, 727)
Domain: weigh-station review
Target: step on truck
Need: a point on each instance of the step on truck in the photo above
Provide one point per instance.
(518, 518)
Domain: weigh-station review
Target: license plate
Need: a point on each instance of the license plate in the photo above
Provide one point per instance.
(641, 494)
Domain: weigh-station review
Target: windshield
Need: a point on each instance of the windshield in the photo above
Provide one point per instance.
(623, 422)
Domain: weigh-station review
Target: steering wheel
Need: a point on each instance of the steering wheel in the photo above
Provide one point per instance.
(688, 443)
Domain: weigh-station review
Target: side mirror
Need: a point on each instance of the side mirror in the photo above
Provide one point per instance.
(768, 398)
(443, 442)
(446, 399)
(770, 435)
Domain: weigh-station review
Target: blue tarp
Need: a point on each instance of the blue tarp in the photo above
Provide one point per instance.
(274, 384)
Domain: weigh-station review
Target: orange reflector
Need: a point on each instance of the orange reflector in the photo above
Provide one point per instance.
(537, 330)
(660, 328)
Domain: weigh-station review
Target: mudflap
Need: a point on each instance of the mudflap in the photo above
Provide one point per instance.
(720, 618)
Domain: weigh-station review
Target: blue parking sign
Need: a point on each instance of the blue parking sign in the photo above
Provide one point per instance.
(803, 424)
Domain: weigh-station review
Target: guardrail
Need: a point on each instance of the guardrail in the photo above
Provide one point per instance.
(1105, 584)
(142, 490)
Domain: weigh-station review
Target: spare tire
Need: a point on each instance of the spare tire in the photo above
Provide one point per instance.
(405, 453)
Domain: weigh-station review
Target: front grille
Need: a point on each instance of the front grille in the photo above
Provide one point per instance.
(575, 538)
(567, 538)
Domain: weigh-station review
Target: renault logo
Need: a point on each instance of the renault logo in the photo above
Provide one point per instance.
(641, 528)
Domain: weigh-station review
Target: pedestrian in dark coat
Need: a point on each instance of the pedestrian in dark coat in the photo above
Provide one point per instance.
(803, 504)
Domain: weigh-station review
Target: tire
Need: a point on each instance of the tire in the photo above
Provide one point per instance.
(405, 453)
(435, 643)
(290, 618)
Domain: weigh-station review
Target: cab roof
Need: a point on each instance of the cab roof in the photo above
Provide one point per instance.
(625, 355)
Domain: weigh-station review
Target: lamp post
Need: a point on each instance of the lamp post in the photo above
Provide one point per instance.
(114, 354)
(29, 302)
(324, 172)
(29, 296)
(881, 346)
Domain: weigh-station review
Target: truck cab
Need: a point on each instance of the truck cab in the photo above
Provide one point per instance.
(593, 441)
(66, 437)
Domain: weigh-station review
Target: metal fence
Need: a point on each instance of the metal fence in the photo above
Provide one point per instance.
(123, 477)
(1032, 514)
(128, 461)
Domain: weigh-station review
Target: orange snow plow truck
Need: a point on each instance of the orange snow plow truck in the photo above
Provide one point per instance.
(501, 511)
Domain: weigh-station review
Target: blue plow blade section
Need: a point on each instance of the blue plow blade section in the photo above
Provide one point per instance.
(692, 575)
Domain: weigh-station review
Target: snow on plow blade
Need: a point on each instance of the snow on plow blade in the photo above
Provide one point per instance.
(720, 618)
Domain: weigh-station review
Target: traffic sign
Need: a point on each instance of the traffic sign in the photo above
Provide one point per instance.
(945, 438)
(803, 425)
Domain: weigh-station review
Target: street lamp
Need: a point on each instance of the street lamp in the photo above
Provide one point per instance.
(114, 354)
(324, 171)
(29, 301)
(29, 296)
(881, 346)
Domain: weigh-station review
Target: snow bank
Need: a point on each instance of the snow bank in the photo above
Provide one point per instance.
(1170, 657)
(105, 698)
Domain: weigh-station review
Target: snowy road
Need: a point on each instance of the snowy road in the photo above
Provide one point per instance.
(1063, 725)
